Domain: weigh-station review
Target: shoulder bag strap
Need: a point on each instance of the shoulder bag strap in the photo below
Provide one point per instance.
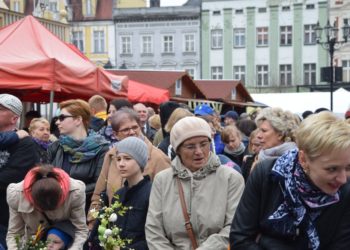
(188, 224)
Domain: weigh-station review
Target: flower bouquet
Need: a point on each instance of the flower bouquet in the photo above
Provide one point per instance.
(107, 230)
(33, 243)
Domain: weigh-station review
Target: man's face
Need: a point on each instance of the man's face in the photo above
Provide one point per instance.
(142, 112)
(8, 119)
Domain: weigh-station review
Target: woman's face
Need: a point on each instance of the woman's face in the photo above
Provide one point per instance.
(111, 111)
(233, 141)
(329, 171)
(66, 123)
(128, 128)
(127, 166)
(256, 146)
(267, 136)
(194, 152)
(54, 242)
(41, 131)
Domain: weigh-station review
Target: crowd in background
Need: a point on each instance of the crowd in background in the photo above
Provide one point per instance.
(195, 179)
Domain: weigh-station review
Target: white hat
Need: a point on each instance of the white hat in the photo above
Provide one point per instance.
(11, 103)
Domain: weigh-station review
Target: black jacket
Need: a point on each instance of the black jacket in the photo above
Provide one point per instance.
(261, 198)
(133, 222)
(15, 161)
(86, 172)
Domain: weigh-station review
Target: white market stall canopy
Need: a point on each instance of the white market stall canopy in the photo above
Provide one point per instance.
(301, 101)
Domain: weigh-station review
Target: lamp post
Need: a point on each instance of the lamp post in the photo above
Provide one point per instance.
(331, 44)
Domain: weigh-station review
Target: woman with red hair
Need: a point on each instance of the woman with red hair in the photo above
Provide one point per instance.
(47, 195)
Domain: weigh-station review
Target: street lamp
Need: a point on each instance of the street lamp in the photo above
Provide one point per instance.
(331, 44)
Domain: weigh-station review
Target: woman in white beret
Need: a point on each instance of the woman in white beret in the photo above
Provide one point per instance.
(211, 194)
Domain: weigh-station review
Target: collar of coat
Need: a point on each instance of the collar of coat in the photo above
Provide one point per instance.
(183, 173)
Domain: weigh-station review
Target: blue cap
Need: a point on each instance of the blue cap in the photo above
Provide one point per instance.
(203, 109)
(67, 239)
(232, 114)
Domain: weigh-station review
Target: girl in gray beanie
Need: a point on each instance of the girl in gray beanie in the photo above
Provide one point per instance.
(132, 157)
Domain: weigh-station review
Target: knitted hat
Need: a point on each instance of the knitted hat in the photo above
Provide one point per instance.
(136, 148)
(11, 103)
(187, 128)
(232, 114)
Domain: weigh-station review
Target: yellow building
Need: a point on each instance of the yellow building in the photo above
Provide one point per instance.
(130, 3)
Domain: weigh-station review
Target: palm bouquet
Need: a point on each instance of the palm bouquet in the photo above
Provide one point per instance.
(107, 230)
(34, 242)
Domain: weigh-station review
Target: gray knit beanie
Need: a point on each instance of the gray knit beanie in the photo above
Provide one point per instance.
(187, 128)
(136, 148)
(12, 103)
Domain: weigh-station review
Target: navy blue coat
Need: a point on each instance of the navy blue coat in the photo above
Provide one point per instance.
(133, 222)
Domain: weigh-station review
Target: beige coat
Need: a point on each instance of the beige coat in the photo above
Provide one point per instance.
(110, 179)
(211, 194)
(25, 219)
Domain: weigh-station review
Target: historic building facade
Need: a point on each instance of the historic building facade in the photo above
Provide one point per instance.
(160, 38)
(270, 45)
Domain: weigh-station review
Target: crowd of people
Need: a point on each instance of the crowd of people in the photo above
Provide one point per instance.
(188, 179)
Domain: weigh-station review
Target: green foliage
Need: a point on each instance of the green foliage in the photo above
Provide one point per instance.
(33, 243)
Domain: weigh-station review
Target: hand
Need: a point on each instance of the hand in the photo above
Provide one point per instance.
(22, 133)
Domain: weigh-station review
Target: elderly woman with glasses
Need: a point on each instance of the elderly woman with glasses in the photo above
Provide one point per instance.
(78, 153)
(193, 202)
(125, 123)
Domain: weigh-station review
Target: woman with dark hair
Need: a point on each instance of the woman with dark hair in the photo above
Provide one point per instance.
(78, 153)
(46, 195)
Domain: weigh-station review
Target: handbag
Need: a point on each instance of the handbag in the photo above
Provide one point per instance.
(188, 224)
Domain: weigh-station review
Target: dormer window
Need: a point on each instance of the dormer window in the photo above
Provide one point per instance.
(178, 87)
(233, 94)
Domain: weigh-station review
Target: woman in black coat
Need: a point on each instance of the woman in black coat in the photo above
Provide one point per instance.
(302, 199)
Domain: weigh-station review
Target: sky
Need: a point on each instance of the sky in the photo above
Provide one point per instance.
(172, 2)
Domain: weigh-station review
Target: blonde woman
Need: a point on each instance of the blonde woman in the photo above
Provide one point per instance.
(301, 200)
(39, 129)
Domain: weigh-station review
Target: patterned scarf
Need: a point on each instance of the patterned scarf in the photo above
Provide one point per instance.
(42, 144)
(298, 193)
(82, 151)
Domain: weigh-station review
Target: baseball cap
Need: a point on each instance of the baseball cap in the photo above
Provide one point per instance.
(203, 109)
(12, 103)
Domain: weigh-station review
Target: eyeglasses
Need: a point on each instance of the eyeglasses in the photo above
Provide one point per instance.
(127, 130)
(62, 117)
(192, 147)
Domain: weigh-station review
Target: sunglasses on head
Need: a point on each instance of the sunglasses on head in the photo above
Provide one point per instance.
(62, 117)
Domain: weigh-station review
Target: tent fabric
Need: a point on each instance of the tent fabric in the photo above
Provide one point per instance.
(139, 92)
(34, 62)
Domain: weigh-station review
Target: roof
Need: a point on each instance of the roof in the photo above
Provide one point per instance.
(222, 89)
(104, 11)
(160, 79)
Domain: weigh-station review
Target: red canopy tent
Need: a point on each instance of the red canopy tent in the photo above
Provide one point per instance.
(139, 92)
(35, 63)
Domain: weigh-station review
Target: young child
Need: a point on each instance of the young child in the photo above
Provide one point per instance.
(132, 157)
(234, 147)
(11, 137)
(60, 236)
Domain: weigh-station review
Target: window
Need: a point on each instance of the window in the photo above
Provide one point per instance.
(262, 36)
(178, 87)
(233, 94)
(53, 6)
(168, 44)
(216, 73)
(88, 7)
(189, 43)
(310, 74)
(309, 34)
(262, 10)
(78, 40)
(286, 35)
(286, 75)
(216, 39)
(263, 75)
(216, 12)
(239, 37)
(125, 45)
(99, 41)
(285, 8)
(16, 6)
(239, 73)
(190, 71)
(239, 11)
(346, 70)
(310, 6)
(147, 45)
(346, 21)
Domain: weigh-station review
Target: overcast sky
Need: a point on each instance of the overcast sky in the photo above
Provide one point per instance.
(172, 2)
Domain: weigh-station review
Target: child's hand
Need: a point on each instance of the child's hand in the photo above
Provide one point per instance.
(22, 133)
